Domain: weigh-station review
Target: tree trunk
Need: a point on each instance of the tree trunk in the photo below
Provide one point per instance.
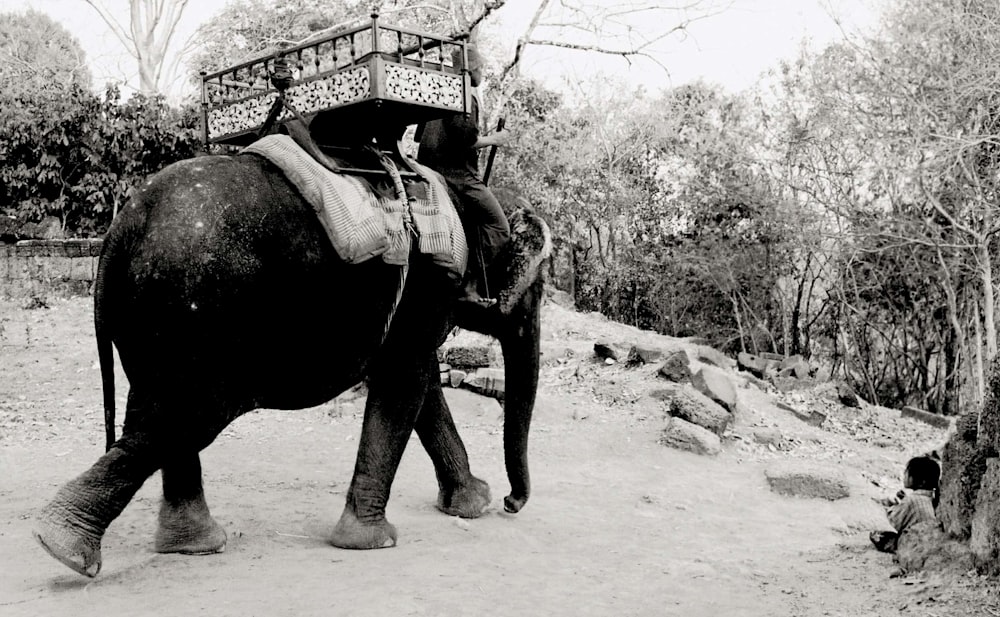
(989, 303)
(977, 344)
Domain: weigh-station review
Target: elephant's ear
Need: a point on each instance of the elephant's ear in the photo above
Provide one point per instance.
(530, 246)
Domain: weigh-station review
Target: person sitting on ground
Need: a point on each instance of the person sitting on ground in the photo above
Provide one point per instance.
(451, 147)
(922, 475)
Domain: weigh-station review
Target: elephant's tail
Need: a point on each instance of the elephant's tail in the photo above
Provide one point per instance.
(105, 351)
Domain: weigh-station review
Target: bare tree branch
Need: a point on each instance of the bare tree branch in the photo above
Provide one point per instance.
(152, 26)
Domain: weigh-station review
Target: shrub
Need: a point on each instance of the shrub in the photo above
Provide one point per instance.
(76, 155)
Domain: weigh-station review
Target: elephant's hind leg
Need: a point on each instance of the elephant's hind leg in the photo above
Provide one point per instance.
(459, 492)
(185, 524)
(71, 526)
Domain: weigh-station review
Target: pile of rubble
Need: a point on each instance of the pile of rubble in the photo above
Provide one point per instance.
(472, 367)
(700, 404)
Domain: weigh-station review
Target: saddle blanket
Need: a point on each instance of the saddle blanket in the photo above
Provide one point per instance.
(363, 224)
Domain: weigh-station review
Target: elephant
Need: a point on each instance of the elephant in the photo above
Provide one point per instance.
(222, 294)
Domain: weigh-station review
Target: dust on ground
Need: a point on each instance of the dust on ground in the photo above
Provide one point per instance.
(617, 524)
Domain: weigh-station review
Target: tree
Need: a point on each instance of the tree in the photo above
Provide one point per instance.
(247, 29)
(893, 137)
(147, 37)
(251, 28)
(37, 52)
(76, 155)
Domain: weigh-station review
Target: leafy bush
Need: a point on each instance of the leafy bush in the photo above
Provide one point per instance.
(75, 155)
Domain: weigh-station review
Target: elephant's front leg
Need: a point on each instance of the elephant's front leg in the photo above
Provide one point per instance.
(459, 492)
(395, 395)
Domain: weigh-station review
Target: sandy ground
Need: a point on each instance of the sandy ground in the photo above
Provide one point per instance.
(617, 524)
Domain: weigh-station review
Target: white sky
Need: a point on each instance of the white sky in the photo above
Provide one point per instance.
(731, 49)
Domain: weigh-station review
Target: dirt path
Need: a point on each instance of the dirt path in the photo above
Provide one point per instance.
(617, 524)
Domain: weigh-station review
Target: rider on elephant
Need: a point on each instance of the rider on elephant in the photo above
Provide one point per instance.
(451, 146)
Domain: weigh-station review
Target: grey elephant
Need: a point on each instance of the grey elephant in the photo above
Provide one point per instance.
(222, 295)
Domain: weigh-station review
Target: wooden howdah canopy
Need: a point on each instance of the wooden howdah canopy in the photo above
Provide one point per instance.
(395, 73)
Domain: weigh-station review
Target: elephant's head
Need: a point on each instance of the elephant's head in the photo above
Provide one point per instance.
(517, 325)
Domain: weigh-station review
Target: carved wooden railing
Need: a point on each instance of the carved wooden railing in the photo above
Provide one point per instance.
(404, 74)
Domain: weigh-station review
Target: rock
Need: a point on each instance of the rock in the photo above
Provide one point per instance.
(807, 483)
(445, 379)
(605, 351)
(814, 418)
(985, 538)
(642, 355)
(755, 365)
(677, 367)
(786, 383)
(467, 403)
(692, 406)
(456, 377)
(847, 396)
(486, 381)
(444, 367)
(768, 437)
(962, 467)
(925, 546)
(714, 357)
(989, 414)
(758, 383)
(474, 356)
(926, 417)
(796, 366)
(715, 384)
(683, 435)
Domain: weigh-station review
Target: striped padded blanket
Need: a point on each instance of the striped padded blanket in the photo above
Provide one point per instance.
(363, 224)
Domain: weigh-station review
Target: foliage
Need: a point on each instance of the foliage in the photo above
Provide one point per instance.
(76, 155)
(890, 140)
(246, 29)
(38, 53)
(659, 215)
(844, 210)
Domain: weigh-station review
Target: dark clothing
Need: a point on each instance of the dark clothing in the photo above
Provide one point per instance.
(448, 146)
(480, 211)
(885, 541)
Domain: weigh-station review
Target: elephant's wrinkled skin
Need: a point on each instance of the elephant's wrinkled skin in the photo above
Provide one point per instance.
(222, 294)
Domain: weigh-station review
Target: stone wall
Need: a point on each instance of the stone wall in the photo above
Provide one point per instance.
(36, 268)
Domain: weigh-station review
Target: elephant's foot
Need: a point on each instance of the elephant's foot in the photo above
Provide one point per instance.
(188, 529)
(77, 550)
(467, 501)
(352, 533)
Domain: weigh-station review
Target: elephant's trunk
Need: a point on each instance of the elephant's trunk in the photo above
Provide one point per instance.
(519, 341)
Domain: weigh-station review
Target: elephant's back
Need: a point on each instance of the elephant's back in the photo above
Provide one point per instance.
(222, 252)
(220, 212)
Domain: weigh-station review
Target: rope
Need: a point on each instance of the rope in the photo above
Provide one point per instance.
(397, 182)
